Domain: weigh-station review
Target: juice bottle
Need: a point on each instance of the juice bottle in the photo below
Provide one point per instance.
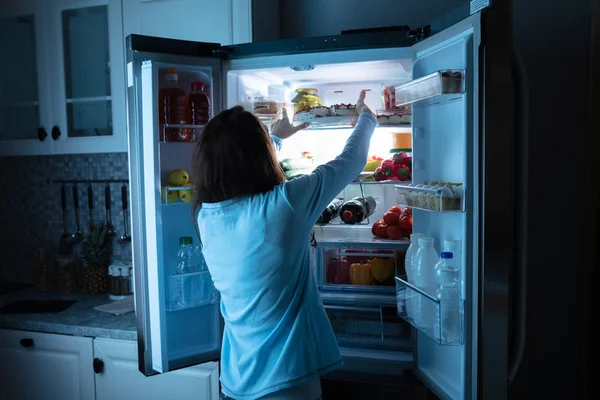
(198, 105)
(171, 110)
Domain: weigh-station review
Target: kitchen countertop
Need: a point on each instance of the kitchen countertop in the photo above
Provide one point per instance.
(80, 319)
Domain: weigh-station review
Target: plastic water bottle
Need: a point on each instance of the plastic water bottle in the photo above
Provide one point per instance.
(184, 266)
(447, 325)
(423, 271)
(409, 294)
(454, 247)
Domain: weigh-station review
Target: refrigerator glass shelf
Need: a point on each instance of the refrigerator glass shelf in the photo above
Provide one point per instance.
(195, 130)
(441, 200)
(424, 312)
(195, 289)
(436, 88)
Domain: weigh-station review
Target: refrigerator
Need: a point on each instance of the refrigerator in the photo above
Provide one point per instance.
(467, 129)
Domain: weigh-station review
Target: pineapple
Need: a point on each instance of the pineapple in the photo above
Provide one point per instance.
(96, 253)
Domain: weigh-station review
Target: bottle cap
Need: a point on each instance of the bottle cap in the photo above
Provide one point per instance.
(347, 215)
(197, 85)
(186, 240)
(446, 254)
(171, 75)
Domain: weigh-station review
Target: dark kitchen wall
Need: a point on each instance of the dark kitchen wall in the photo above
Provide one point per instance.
(30, 210)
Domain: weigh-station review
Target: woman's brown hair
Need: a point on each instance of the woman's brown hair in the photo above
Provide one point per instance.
(234, 157)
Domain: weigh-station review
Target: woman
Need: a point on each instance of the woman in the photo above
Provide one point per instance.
(255, 229)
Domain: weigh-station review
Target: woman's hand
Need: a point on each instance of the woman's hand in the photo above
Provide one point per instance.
(283, 129)
(361, 107)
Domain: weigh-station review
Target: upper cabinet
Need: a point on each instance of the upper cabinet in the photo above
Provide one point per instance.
(216, 21)
(89, 89)
(25, 95)
(62, 84)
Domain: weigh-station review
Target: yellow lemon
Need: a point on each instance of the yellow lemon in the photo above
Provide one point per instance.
(168, 196)
(179, 177)
(185, 195)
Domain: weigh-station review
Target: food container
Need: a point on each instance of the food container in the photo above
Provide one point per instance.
(399, 116)
(402, 141)
(306, 98)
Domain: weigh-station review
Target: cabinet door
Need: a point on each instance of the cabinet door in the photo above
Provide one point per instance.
(120, 378)
(24, 81)
(89, 93)
(218, 21)
(45, 366)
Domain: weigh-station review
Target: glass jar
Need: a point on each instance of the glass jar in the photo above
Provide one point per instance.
(306, 98)
(66, 273)
(125, 279)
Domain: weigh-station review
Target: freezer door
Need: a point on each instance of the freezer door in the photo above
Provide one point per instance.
(445, 102)
(178, 319)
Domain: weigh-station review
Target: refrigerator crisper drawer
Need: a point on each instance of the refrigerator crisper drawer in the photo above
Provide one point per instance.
(438, 87)
(369, 327)
(442, 321)
(358, 269)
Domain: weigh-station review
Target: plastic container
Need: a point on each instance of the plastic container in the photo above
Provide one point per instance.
(172, 110)
(183, 285)
(447, 324)
(125, 279)
(408, 266)
(402, 141)
(198, 105)
(423, 271)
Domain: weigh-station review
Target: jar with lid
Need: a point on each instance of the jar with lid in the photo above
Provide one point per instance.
(114, 282)
(125, 280)
(306, 98)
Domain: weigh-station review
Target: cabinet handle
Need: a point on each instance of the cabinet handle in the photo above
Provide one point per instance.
(42, 134)
(26, 342)
(55, 132)
(98, 366)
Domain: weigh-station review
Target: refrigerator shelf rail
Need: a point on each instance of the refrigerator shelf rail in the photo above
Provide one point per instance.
(425, 312)
(441, 200)
(439, 87)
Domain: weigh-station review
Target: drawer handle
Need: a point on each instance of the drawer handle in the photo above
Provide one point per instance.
(26, 342)
(98, 366)
(55, 132)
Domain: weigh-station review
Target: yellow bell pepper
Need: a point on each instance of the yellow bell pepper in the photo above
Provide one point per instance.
(382, 268)
(360, 274)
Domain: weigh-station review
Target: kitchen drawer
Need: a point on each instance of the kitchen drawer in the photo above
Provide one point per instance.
(375, 327)
(359, 270)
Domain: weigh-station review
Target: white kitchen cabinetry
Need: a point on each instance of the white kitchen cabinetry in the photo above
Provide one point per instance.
(45, 366)
(120, 378)
(25, 95)
(62, 87)
(216, 21)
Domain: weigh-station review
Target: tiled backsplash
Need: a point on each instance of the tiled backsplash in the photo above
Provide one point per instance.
(30, 209)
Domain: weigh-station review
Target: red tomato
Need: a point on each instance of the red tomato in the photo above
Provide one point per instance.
(390, 218)
(381, 231)
(406, 222)
(395, 232)
(375, 225)
(395, 209)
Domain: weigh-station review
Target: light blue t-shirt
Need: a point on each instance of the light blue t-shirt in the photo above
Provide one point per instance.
(257, 249)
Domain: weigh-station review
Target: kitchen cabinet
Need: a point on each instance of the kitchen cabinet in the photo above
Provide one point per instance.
(216, 21)
(45, 366)
(25, 95)
(63, 91)
(119, 377)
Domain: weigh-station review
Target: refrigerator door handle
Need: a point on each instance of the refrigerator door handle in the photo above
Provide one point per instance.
(521, 113)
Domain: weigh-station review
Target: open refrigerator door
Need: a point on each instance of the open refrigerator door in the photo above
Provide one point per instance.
(444, 97)
(177, 307)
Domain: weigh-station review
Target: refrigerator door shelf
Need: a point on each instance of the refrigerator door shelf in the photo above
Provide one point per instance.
(425, 312)
(195, 289)
(441, 200)
(436, 88)
(196, 131)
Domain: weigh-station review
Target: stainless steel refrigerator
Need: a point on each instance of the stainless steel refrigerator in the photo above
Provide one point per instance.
(469, 131)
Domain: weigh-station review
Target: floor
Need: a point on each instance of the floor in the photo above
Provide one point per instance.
(350, 390)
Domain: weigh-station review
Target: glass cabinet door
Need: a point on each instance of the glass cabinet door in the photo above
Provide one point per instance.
(87, 71)
(23, 90)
